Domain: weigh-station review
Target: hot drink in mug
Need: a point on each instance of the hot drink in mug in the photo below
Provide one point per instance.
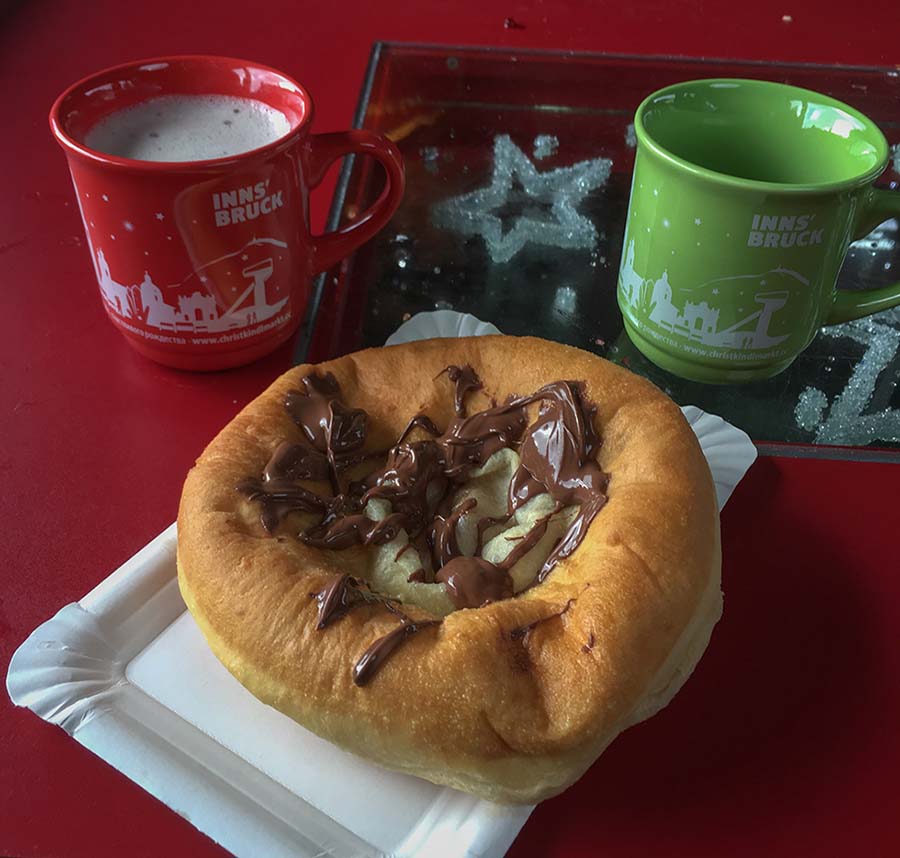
(193, 177)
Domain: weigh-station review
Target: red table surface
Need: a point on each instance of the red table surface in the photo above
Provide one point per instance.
(784, 741)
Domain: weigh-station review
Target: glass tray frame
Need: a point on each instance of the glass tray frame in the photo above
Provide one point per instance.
(339, 317)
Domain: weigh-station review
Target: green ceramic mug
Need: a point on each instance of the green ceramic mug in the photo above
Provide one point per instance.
(745, 197)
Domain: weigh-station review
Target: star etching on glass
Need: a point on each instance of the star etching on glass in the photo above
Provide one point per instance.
(522, 205)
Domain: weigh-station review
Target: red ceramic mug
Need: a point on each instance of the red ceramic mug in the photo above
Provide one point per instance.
(206, 265)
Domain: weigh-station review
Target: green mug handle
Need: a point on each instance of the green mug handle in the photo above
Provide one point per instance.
(848, 305)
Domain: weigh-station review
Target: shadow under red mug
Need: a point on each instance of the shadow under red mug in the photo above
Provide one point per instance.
(205, 265)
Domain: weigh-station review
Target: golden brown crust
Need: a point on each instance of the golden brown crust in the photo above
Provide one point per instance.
(463, 703)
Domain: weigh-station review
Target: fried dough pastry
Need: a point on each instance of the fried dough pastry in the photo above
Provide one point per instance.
(472, 560)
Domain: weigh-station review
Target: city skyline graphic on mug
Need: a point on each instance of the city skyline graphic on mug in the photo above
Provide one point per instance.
(698, 321)
(197, 312)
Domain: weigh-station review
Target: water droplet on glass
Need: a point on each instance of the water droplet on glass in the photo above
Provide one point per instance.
(430, 156)
(565, 300)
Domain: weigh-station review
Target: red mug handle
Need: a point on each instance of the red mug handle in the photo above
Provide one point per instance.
(325, 149)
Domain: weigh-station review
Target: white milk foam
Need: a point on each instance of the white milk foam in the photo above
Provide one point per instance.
(188, 128)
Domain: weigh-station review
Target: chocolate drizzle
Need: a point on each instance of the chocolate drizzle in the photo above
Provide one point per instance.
(557, 455)
(376, 654)
(342, 595)
(295, 462)
(466, 381)
(335, 432)
(442, 534)
(341, 531)
(472, 582)
(278, 498)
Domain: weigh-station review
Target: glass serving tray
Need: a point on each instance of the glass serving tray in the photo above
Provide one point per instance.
(497, 223)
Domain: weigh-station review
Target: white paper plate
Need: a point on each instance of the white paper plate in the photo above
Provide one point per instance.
(126, 672)
(440, 323)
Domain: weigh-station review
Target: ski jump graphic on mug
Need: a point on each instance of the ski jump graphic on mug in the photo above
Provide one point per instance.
(699, 321)
(197, 312)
